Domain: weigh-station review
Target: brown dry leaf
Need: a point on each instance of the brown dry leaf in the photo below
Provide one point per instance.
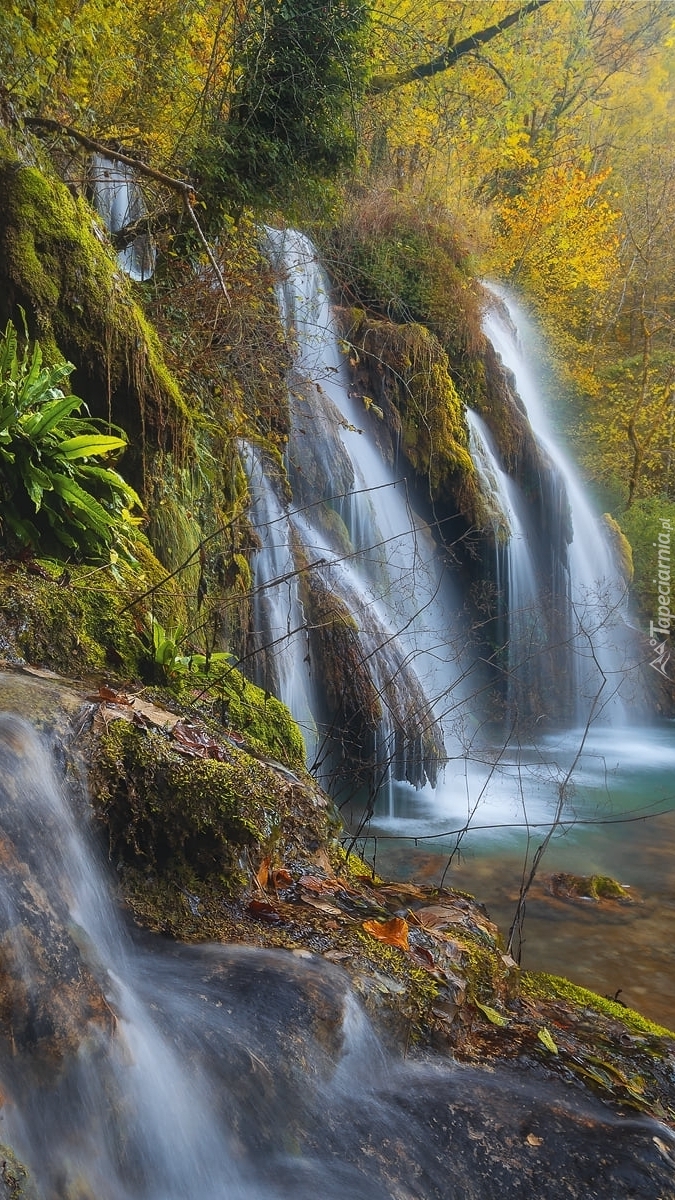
(141, 711)
(439, 916)
(194, 740)
(109, 694)
(313, 883)
(425, 959)
(533, 1140)
(423, 955)
(264, 912)
(393, 932)
(403, 892)
(281, 878)
(322, 905)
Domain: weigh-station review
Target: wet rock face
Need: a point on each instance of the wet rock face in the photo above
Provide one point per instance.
(319, 466)
(49, 998)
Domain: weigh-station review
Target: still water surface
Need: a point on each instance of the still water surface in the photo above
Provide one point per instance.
(618, 819)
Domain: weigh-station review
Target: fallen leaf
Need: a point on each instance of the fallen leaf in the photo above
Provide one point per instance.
(439, 916)
(393, 932)
(281, 878)
(313, 883)
(322, 905)
(423, 955)
(492, 1015)
(107, 693)
(533, 1140)
(264, 912)
(547, 1041)
(263, 872)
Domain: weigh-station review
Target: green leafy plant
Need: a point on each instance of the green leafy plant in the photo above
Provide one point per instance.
(54, 491)
(171, 659)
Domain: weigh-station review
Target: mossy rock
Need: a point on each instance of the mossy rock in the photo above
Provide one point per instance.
(15, 1180)
(56, 265)
(588, 887)
(350, 693)
(623, 551)
(405, 371)
(76, 621)
(241, 706)
(189, 822)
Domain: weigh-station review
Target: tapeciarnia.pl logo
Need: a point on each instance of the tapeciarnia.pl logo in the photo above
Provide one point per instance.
(659, 628)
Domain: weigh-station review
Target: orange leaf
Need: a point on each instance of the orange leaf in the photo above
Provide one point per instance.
(263, 872)
(393, 932)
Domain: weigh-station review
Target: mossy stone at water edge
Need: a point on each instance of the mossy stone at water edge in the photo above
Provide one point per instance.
(195, 821)
(15, 1181)
(70, 619)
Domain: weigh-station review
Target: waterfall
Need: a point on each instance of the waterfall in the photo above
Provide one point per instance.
(280, 639)
(517, 594)
(371, 559)
(371, 650)
(119, 201)
(581, 594)
(138, 1069)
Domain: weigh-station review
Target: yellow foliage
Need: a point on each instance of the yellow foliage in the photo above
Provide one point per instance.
(558, 236)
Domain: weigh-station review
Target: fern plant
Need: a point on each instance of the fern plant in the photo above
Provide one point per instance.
(57, 488)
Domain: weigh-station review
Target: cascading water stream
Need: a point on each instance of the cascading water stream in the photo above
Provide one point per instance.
(146, 1070)
(518, 636)
(119, 200)
(281, 645)
(363, 543)
(579, 580)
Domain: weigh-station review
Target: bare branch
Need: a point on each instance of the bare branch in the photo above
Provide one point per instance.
(450, 56)
(182, 186)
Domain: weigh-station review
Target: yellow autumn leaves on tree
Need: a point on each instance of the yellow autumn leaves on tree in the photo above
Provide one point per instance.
(559, 237)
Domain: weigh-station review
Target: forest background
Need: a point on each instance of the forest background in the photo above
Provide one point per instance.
(536, 141)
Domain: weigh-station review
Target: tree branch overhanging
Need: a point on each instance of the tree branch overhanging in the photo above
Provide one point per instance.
(182, 186)
(386, 83)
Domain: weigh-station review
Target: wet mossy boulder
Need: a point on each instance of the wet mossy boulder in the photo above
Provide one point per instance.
(56, 265)
(15, 1180)
(401, 372)
(588, 887)
(193, 812)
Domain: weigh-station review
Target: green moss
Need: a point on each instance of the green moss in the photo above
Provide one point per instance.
(69, 619)
(181, 816)
(406, 371)
(588, 887)
(15, 1182)
(54, 263)
(621, 546)
(266, 723)
(540, 986)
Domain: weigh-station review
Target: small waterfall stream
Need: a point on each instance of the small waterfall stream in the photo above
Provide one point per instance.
(137, 1069)
(518, 600)
(352, 523)
(579, 581)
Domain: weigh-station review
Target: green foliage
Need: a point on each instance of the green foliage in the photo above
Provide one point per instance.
(168, 653)
(405, 260)
(55, 491)
(300, 70)
(642, 523)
